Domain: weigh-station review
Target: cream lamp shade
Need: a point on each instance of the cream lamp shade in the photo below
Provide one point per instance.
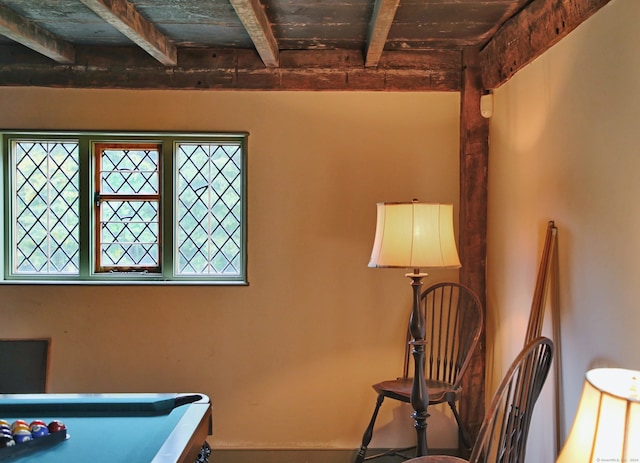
(414, 235)
(607, 424)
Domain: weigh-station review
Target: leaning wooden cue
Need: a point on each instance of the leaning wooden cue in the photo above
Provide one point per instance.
(536, 318)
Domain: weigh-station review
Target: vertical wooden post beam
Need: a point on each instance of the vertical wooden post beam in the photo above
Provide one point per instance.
(474, 156)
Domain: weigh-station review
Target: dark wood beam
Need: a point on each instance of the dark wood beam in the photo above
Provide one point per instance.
(511, 9)
(212, 69)
(122, 15)
(474, 163)
(383, 13)
(255, 21)
(29, 34)
(529, 34)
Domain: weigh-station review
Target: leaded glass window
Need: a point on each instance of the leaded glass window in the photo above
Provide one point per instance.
(45, 209)
(127, 201)
(133, 208)
(209, 209)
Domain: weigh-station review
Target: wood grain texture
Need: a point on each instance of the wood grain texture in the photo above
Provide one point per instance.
(397, 45)
(34, 37)
(529, 34)
(255, 21)
(122, 15)
(383, 13)
(211, 69)
(474, 157)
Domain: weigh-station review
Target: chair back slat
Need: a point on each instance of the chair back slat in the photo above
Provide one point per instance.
(453, 319)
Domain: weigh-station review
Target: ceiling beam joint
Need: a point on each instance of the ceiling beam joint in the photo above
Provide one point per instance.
(536, 28)
(29, 34)
(255, 21)
(384, 12)
(122, 15)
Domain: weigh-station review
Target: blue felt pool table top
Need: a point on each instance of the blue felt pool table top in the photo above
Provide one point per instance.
(132, 428)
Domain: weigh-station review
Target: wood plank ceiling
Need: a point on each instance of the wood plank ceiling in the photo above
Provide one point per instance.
(391, 45)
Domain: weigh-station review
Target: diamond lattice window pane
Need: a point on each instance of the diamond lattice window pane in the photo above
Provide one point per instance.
(209, 238)
(129, 234)
(45, 212)
(129, 171)
(129, 228)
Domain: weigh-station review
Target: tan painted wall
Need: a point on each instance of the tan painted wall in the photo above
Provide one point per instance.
(564, 146)
(287, 361)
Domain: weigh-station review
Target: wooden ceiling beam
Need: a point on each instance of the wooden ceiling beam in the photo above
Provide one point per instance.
(383, 13)
(122, 15)
(257, 25)
(539, 26)
(234, 69)
(29, 34)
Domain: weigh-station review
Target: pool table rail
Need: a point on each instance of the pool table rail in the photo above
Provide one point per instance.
(188, 436)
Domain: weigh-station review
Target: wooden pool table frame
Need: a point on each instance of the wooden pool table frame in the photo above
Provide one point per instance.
(186, 440)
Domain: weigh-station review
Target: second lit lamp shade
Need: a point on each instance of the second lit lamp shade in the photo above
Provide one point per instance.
(607, 424)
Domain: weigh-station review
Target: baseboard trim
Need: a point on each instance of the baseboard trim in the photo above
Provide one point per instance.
(303, 455)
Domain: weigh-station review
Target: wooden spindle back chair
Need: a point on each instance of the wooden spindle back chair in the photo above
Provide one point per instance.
(505, 429)
(453, 320)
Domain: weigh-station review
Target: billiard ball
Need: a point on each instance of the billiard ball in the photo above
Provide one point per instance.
(38, 430)
(21, 435)
(21, 423)
(5, 427)
(20, 427)
(39, 422)
(5, 422)
(56, 426)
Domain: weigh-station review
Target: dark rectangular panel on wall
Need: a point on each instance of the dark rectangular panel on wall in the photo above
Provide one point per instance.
(23, 365)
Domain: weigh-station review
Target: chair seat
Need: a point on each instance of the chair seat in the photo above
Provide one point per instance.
(400, 389)
(437, 459)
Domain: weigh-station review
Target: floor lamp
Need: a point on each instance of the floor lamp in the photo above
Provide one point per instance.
(416, 236)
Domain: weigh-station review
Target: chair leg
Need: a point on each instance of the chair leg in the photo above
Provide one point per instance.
(466, 439)
(368, 433)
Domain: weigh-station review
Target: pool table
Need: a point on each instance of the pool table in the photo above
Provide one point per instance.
(114, 428)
